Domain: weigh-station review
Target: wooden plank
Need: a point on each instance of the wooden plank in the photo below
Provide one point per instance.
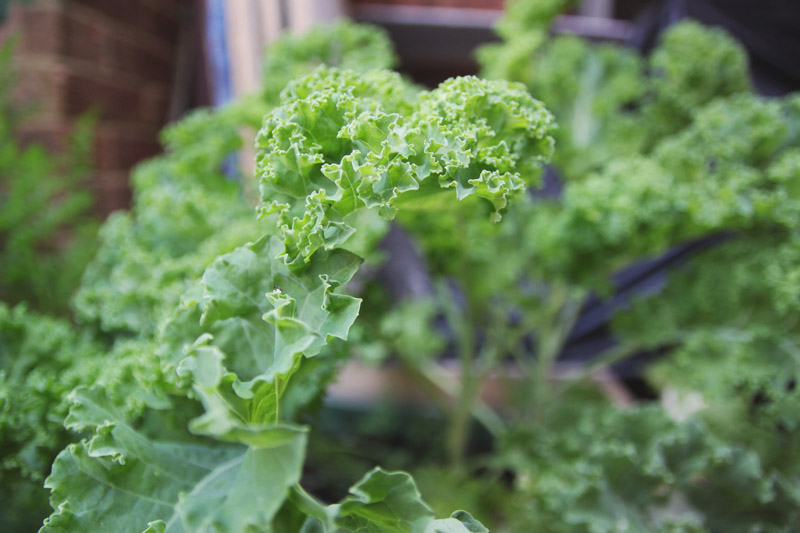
(244, 45)
(452, 17)
(271, 17)
(423, 17)
(368, 384)
(598, 28)
(597, 8)
(303, 14)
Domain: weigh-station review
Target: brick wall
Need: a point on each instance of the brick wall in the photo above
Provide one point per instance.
(116, 57)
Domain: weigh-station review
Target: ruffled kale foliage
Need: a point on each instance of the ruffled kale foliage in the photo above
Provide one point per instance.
(713, 177)
(602, 469)
(478, 138)
(194, 203)
(188, 207)
(47, 236)
(727, 322)
(729, 314)
(692, 66)
(523, 28)
(595, 90)
(42, 359)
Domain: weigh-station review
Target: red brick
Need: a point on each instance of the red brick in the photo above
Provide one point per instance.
(40, 88)
(158, 24)
(170, 9)
(132, 59)
(87, 41)
(154, 101)
(112, 99)
(117, 10)
(93, 41)
(119, 151)
(115, 57)
(111, 192)
(42, 31)
(137, 16)
(53, 137)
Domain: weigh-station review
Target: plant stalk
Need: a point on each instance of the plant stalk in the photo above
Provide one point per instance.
(561, 313)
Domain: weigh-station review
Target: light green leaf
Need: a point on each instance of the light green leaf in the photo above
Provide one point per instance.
(387, 502)
(124, 480)
(459, 522)
(260, 314)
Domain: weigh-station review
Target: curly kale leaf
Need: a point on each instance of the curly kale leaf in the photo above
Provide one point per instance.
(330, 153)
(243, 345)
(593, 90)
(142, 482)
(524, 28)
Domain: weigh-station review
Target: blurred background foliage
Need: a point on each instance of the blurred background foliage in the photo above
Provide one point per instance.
(47, 231)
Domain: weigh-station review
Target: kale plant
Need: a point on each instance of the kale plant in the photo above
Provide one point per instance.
(223, 450)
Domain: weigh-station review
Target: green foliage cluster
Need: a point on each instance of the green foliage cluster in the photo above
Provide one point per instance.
(41, 361)
(653, 153)
(608, 101)
(185, 213)
(219, 308)
(47, 237)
